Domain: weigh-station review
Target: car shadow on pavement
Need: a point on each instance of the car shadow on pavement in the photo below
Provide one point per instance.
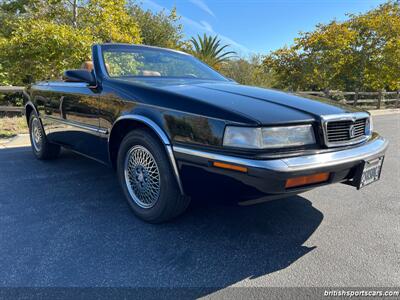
(70, 226)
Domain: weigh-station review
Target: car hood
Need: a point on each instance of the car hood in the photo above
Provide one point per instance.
(264, 106)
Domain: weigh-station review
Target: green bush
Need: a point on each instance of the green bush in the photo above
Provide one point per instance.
(11, 99)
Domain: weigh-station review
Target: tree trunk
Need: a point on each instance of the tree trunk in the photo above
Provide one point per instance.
(75, 13)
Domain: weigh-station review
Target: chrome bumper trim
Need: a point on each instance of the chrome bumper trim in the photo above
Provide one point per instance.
(367, 151)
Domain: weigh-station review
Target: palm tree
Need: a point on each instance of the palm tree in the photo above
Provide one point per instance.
(209, 50)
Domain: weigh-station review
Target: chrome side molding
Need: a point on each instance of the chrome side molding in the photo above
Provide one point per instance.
(157, 129)
(170, 153)
(78, 125)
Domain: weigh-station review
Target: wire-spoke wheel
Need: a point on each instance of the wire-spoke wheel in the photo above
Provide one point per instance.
(147, 179)
(36, 134)
(41, 147)
(142, 177)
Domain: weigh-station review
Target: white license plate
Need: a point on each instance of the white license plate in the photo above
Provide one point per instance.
(371, 172)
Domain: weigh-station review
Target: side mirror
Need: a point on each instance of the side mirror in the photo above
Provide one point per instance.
(80, 76)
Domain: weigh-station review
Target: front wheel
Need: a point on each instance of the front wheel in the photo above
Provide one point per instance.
(41, 147)
(147, 179)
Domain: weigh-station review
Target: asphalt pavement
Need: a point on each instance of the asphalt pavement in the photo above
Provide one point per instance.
(65, 223)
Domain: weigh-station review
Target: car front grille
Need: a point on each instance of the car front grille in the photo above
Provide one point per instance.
(340, 131)
(346, 130)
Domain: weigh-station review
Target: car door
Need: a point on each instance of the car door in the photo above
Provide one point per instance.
(74, 112)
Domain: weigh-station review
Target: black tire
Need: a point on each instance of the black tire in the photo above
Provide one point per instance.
(42, 149)
(170, 202)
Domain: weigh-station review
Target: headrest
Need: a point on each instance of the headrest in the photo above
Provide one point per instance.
(150, 73)
(87, 65)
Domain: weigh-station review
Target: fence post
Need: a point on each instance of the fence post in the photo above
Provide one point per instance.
(398, 99)
(380, 99)
(355, 98)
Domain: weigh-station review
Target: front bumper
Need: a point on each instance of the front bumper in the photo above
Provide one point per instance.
(268, 177)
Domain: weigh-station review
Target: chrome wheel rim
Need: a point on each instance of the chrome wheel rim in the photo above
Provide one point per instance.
(36, 134)
(142, 177)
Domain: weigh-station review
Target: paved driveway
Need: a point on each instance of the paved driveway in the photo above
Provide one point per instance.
(65, 223)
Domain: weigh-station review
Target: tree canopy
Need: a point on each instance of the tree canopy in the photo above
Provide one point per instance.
(39, 39)
(159, 29)
(362, 53)
(249, 71)
(45, 52)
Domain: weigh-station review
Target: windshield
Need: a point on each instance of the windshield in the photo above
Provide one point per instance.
(136, 61)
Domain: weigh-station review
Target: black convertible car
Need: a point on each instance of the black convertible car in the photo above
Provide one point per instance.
(172, 127)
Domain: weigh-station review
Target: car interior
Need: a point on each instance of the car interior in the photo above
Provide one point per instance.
(88, 65)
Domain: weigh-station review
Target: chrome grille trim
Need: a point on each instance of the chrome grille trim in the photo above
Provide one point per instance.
(336, 129)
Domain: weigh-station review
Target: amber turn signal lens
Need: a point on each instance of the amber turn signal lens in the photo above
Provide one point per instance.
(306, 180)
(229, 166)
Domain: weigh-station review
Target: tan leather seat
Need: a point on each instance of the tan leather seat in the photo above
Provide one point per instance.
(150, 73)
(87, 65)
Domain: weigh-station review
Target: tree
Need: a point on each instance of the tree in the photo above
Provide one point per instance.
(41, 38)
(377, 47)
(362, 53)
(13, 11)
(209, 50)
(9, 11)
(42, 50)
(248, 71)
(287, 67)
(109, 21)
(159, 29)
(3, 76)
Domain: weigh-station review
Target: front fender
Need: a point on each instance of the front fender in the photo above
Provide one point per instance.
(148, 123)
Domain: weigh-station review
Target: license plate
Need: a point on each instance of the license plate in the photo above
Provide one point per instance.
(371, 172)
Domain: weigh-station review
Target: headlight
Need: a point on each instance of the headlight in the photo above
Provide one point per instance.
(276, 137)
(268, 137)
(242, 137)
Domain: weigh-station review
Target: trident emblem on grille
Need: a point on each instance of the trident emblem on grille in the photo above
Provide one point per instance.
(352, 131)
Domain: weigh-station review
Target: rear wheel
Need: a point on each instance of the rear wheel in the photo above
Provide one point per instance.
(41, 147)
(147, 179)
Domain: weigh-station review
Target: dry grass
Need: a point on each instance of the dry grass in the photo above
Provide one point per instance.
(11, 126)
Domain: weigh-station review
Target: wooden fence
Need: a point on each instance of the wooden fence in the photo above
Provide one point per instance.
(12, 109)
(378, 100)
(11, 90)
